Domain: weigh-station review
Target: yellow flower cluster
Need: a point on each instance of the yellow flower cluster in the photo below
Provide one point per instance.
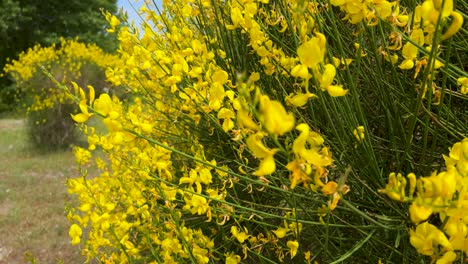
(210, 157)
(310, 53)
(421, 26)
(444, 194)
(371, 11)
(64, 60)
(164, 195)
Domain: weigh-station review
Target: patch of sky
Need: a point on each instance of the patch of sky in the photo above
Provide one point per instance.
(132, 7)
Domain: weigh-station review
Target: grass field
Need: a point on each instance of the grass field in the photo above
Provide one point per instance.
(32, 200)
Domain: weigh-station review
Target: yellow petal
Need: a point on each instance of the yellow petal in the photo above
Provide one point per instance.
(407, 64)
(75, 87)
(457, 23)
(276, 119)
(337, 2)
(300, 141)
(103, 105)
(328, 76)
(300, 99)
(334, 201)
(114, 21)
(225, 113)
(80, 118)
(448, 258)
(442, 239)
(255, 144)
(329, 188)
(228, 124)
(409, 52)
(232, 259)
(245, 120)
(82, 95)
(419, 213)
(75, 233)
(83, 107)
(312, 52)
(92, 94)
(300, 71)
(447, 8)
(281, 232)
(220, 77)
(336, 90)
(293, 246)
(267, 166)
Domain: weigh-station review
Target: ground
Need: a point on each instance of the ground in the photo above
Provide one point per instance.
(33, 196)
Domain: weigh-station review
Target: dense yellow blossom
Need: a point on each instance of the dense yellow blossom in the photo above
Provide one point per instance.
(184, 156)
(444, 194)
(66, 61)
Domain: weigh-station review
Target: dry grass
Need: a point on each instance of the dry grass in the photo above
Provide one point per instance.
(32, 200)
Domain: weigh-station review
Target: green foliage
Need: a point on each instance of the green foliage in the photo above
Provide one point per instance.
(7, 97)
(28, 22)
(51, 129)
(48, 108)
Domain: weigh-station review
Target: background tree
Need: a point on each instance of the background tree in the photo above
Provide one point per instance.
(29, 22)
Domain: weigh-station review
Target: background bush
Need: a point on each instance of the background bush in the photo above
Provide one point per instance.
(27, 23)
(49, 108)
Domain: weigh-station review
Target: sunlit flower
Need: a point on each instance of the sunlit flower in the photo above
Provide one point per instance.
(293, 247)
(75, 233)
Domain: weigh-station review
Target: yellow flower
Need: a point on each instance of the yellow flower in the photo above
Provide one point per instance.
(281, 232)
(299, 173)
(300, 71)
(431, 9)
(457, 22)
(329, 188)
(75, 233)
(84, 115)
(232, 258)
(267, 165)
(246, 121)
(299, 99)
(426, 237)
(457, 232)
(114, 22)
(326, 81)
(220, 77)
(82, 155)
(333, 203)
(307, 256)
(336, 90)
(412, 183)
(240, 236)
(320, 158)
(448, 258)
(103, 105)
(395, 188)
(463, 83)
(312, 52)
(275, 118)
(293, 245)
(227, 115)
(236, 17)
(419, 213)
(410, 51)
(359, 133)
